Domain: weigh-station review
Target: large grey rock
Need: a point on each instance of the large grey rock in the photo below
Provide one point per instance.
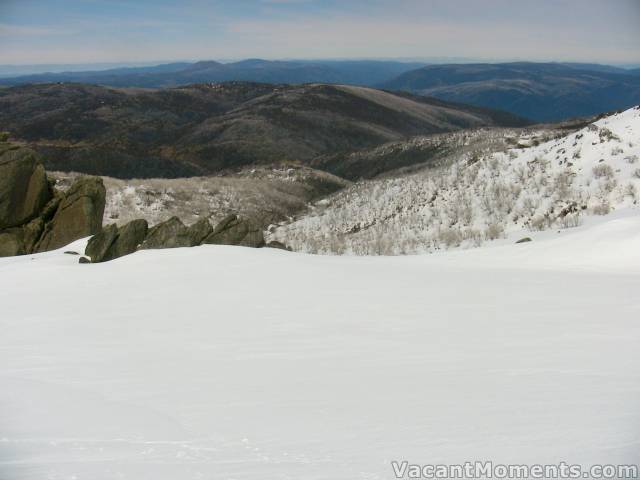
(12, 243)
(20, 240)
(100, 243)
(129, 238)
(79, 214)
(199, 231)
(169, 234)
(113, 242)
(234, 230)
(174, 234)
(24, 189)
(31, 233)
(278, 245)
(51, 207)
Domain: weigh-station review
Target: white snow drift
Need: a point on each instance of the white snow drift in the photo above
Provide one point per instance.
(232, 363)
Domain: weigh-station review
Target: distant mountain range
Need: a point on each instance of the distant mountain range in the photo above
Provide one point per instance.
(209, 128)
(253, 70)
(544, 92)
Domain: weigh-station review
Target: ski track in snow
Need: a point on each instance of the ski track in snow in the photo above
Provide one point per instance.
(232, 363)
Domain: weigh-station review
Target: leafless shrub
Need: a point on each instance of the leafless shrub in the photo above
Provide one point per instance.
(521, 174)
(631, 191)
(562, 183)
(466, 210)
(530, 205)
(602, 208)
(616, 151)
(494, 231)
(603, 171)
(571, 220)
(450, 237)
(608, 186)
(607, 135)
(541, 222)
(473, 236)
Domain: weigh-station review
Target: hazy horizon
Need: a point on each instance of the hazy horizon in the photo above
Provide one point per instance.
(16, 70)
(72, 32)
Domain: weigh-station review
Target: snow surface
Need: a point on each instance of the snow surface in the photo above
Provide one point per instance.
(232, 363)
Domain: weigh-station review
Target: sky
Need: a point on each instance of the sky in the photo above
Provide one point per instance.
(95, 31)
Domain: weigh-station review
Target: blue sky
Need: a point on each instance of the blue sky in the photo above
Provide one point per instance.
(91, 31)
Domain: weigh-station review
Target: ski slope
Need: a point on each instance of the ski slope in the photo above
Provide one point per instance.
(232, 363)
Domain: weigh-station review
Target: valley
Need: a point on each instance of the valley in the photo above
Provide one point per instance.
(210, 128)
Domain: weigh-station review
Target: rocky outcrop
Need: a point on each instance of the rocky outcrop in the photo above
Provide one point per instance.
(24, 189)
(128, 240)
(174, 234)
(79, 214)
(170, 234)
(101, 242)
(34, 217)
(277, 245)
(234, 230)
(199, 231)
(113, 242)
(20, 240)
(11, 243)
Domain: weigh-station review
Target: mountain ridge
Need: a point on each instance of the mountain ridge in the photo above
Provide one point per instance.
(357, 72)
(208, 128)
(542, 92)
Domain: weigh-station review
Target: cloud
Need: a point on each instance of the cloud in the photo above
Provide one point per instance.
(285, 2)
(423, 37)
(29, 30)
(117, 30)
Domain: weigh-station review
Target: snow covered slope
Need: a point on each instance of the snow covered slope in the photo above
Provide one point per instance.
(231, 363)
(482, 197)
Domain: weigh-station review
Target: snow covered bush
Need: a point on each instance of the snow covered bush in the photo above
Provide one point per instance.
(603, 171)
(478, 197)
